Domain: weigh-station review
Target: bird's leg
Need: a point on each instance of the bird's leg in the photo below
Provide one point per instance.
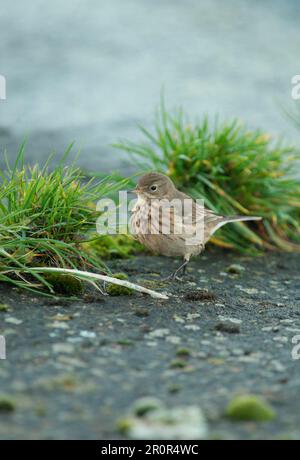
(181, 267)
(174, 276)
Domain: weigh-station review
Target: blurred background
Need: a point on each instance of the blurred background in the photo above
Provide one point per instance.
(89, 71)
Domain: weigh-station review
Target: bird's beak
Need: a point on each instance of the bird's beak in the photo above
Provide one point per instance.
(135, 190)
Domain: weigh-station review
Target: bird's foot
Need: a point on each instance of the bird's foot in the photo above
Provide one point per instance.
(172, 277)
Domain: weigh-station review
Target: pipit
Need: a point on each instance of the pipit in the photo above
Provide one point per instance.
(170, 223)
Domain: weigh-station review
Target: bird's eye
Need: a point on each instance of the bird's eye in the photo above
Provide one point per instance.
(153, 188)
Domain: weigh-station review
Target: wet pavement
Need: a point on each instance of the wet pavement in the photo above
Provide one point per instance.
(90, 71)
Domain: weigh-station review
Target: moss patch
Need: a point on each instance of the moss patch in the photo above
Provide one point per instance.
(113, 247)
(251, 408)
(4, 307)
(124, 425)
(174, 388)
(178, 364)
(115, 289)
(152, 284)
(65, 284)
(145, 405)
(7, 404)
(183, 352)
(125, 342)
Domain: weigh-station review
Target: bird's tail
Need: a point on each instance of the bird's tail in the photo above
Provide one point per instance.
(226, 220)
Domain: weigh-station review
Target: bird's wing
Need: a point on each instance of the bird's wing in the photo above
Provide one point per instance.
(199, 220)
(189, 219)
(184, 217)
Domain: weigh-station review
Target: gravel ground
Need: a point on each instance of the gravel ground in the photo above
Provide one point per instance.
(73, 369)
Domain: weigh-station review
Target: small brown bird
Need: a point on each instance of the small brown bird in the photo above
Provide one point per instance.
(159, 220)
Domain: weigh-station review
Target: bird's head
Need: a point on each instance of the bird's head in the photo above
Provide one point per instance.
(155, 185)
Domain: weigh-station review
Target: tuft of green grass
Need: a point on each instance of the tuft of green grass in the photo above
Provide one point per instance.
(45, 216)
(235, 171)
